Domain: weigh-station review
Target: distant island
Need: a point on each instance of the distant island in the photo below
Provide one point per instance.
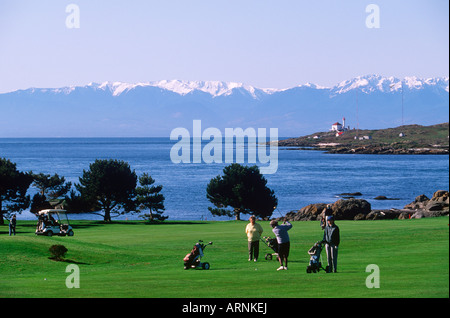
(407, 139)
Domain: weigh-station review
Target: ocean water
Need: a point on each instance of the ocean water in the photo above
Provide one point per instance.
(303, 176)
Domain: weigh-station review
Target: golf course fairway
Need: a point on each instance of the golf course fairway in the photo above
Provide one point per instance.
(131, 259)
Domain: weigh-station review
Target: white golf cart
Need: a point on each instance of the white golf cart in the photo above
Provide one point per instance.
(53, 222)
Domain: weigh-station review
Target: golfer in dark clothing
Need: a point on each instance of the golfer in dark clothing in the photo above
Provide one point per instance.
(12, 225)
(281, 232)
(332, 239)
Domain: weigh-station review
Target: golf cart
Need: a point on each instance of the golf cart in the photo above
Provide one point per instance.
(53, 222)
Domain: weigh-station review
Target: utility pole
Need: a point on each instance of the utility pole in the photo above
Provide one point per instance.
(402, 104)
(357, 115)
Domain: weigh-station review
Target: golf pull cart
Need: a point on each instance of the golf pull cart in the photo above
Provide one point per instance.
(53, 222)
(193, 259)
(271, 243)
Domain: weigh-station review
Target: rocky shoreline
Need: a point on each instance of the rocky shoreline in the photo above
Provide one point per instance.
(359, 209)
(381, 150)
(370, 150)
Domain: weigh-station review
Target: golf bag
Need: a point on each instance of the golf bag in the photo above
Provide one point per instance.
(193, 259)
(315, 260)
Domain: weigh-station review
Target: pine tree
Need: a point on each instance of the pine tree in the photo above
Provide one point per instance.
(110, 186)
(244, 190)
(13, 189)
(51, 189)
(149, 198)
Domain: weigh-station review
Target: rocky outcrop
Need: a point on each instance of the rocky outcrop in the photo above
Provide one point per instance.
(308, 213)
(342, 210)
(351, 209)
(418, 203)
(389, 214)
(382, 197)
(359, 209)
(422, 206)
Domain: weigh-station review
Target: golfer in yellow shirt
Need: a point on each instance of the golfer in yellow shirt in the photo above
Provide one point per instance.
(254, 231)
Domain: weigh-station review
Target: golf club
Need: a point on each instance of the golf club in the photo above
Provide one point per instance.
(276, 208)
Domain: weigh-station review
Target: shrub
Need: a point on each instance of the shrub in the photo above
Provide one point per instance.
(58, 251)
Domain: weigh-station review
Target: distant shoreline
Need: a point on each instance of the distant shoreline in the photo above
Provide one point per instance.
(375, 150)
(403, 140)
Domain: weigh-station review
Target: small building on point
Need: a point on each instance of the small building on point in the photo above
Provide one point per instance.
(338, 128)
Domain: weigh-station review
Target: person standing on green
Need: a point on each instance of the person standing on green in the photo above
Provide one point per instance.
(284, 243)
(253, 231)
(12, 225)
(332, 238)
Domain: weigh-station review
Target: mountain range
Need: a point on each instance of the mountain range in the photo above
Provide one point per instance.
(117, 109)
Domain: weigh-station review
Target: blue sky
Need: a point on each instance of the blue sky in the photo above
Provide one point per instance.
(264, 43)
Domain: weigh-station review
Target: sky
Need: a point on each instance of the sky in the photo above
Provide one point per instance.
(263, 43)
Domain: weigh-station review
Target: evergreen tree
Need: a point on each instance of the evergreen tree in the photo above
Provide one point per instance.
(51, 189)
(13, 189)
(149, 198)
(244, 190)
(110, 186)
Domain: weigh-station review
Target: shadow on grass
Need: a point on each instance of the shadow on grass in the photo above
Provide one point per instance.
(82, 224)
(17, 233)
(70, 261)
(76, 224)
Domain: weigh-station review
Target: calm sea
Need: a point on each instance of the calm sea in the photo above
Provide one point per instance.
(303, 177)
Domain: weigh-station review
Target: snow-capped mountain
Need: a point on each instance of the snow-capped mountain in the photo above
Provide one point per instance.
(372, 83)
(365, 84)
(155, 108)
(214, 88)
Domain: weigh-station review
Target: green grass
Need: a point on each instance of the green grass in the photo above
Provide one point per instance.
(134, 259)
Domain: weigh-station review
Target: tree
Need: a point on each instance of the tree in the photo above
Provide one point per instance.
(38, 203)
(51, 188)
(109, 185)
(75, 203)
(243, 189)
(13, 189)
(149, 197)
